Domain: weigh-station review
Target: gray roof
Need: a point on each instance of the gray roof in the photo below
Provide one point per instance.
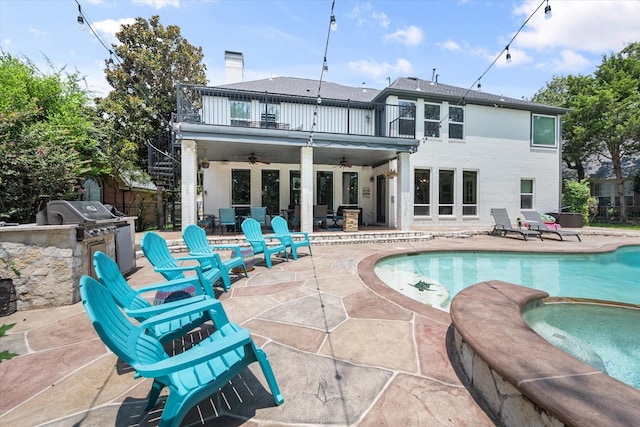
(305, 87)
(410, 87)
(413, 86)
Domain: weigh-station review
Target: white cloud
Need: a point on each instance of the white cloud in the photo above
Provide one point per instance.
(449, 45)
(158, 4)
(358, 13)
(597, 27)
(409, 36)
(571, 62)
(109, 27)
(381, 70)
(37, 33)
(382, 18)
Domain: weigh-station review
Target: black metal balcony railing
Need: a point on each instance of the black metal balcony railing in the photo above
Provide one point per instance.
(225, 107)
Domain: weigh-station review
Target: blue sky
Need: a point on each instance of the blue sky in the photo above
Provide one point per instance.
(375, 40)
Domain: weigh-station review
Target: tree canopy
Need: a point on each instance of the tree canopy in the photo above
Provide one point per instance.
(48, 138)
(150, 60)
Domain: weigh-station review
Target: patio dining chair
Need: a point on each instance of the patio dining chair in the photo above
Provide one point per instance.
(503, 225)
(320, 215)
(260, 215)
(253, 234)
(281, 229)
(190, 376)
(155, 249)
(196, 240)
(136, 306)
(227, 218)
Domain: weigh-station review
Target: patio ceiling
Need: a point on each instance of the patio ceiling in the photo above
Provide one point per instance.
(274, 146)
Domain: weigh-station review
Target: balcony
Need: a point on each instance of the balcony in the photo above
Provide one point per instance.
(226, 107)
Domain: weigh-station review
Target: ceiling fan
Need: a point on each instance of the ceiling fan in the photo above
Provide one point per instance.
(344, 163)
(253, 160)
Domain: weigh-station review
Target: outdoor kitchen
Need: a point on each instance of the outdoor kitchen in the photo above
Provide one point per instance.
(41, 264)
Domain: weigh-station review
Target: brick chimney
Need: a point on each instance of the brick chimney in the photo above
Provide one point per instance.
(234, 66)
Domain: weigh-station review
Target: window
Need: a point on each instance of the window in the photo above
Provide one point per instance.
(349, 188)
(628, 193)
(421, 192)
(456, 123)
(269, 115)
(469, 193)
(294, 186)
(271, 190)
(324, 189)
(407, 118)
(543, 130)
(240, 113)
(432, 120)
(445, 193)
(240, 187)
(526, 194)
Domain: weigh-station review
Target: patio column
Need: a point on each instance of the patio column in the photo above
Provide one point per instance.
(404, 204)
(189, 187)
(306, 189)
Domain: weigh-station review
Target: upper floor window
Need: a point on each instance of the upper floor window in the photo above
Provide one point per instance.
(407, 118)
(543, 130)
(269, 115)
(432, 120)
(240, 113)
(456, 123)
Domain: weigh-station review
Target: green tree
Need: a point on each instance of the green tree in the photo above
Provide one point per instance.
(48, 138)
(150, 60)
(609, 111)
(578, 196)
(563, 91)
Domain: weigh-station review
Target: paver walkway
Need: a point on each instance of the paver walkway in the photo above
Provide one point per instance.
(344, 352)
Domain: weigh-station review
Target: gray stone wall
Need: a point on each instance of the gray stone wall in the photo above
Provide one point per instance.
(46, 263)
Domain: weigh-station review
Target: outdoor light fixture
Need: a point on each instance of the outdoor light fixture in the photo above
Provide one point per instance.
(334, 24)
(205, 163)
(479, 85)
(547, 11)
(325, 67)
(80, 18)
(508, 55)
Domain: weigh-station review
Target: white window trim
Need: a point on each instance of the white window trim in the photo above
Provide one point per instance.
(556, 131)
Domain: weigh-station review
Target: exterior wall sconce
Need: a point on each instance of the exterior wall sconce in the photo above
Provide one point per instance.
(205, 163)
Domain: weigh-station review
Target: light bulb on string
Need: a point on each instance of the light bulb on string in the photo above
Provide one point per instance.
(547, 11)
(508, 55)
(80, 18)
(334, 23)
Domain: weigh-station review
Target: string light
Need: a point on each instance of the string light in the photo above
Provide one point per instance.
(547, 11)
(80, 18)
(333, 26)
(508, 55)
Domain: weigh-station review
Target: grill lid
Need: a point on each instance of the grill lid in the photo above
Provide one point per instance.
(77, 212)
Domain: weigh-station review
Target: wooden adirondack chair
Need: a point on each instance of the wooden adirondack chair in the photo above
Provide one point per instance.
(196, 240)
(190, 376)
(253, 234)
(137, 307)
(281, 229)
(157, 252)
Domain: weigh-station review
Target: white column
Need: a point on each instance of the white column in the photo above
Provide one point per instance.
(404, 202)
(306, 189)
(189, 186)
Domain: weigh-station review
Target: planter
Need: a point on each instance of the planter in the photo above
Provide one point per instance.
(568, 219)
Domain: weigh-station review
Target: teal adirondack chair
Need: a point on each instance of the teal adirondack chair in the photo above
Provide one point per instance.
(260, 215)
(155, 249)
(137, 307)
(196, 240)
(281, 229)
(190, 376)
(253, 234)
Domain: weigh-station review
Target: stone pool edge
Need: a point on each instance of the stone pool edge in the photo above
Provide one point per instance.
(522, 378)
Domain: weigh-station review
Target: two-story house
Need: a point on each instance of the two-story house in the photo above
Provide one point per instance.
(417, 152)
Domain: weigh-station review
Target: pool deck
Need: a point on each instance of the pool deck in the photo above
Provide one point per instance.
(346, 350)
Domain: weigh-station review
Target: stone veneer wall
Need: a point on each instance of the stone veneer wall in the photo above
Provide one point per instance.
(49, 260)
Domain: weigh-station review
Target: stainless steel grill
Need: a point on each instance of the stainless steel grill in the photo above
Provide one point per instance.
(93, 219)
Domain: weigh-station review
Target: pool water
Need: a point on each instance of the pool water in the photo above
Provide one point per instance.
(611, 276)
(606, 337)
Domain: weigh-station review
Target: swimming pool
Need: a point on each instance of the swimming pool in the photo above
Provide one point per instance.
(604, 336)
(436, 277)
